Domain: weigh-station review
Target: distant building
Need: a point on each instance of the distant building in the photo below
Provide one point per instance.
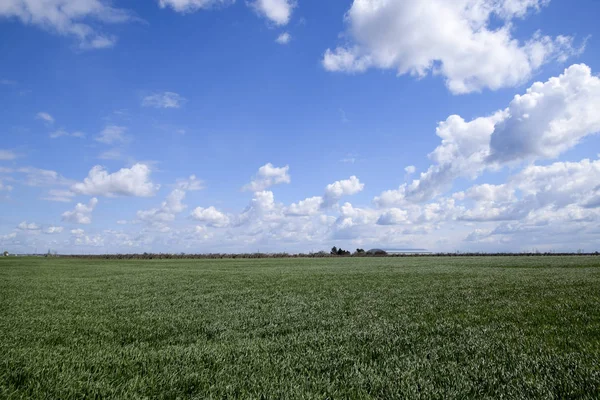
(408, 251)
(376, 252)
(382, 252)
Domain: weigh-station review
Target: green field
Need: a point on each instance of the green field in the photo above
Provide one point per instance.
(452, 327)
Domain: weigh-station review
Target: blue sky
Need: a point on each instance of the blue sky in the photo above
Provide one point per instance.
(303, 124)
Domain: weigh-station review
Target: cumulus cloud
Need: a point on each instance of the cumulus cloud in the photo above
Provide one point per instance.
(68, 18)
(24, 226)
(44, 116)
(89, 241)
(277, 11)
(488, 193)
(560, 183)
(453, 39)
(134, 181)
(172, 205)
(262, 205)
(411, 169)
(112, 134)
(267, 176)
(284, 38)
(52, 230)
(163, 100)
(550, 118)
(332, 194)
(306, 207)
(186, 6)
(336, 190)
(394, 216)
(81, 214)
(351, 215)
(463, 152)
(210, 216)
(544, 193)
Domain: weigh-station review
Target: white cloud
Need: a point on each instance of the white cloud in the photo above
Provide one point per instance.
(7, 82)
(89, 241)
(68, 18)
(7, 155)
(490, 193)
(77, 232)
(112, 134)
(8, 237)
(306, 207)
(267, 176)
(190, 184)
(411, 169)
(262, 212)
(51, 230)
(350, 215)
(333, 193)
(185, 6)
(478, 235)
(393, 216)
(43, 177)
(169, 208)
(336, 190)
(44, 116)
(559, 184)
(463, 152)
(284, 38)
(134, 181)
(210, 216)
(81, 214)
(449, 38)
(24, 226)
(549, 119)
(64, 196)
(63, 133)
(544, 193)
(262, 202)
(163, 100)
(277, 11)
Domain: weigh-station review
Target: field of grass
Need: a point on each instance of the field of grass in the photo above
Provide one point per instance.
(452, 327)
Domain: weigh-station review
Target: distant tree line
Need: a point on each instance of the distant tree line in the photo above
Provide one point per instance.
(320, 254)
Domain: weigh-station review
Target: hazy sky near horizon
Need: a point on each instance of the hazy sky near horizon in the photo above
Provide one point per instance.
(282, 125)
